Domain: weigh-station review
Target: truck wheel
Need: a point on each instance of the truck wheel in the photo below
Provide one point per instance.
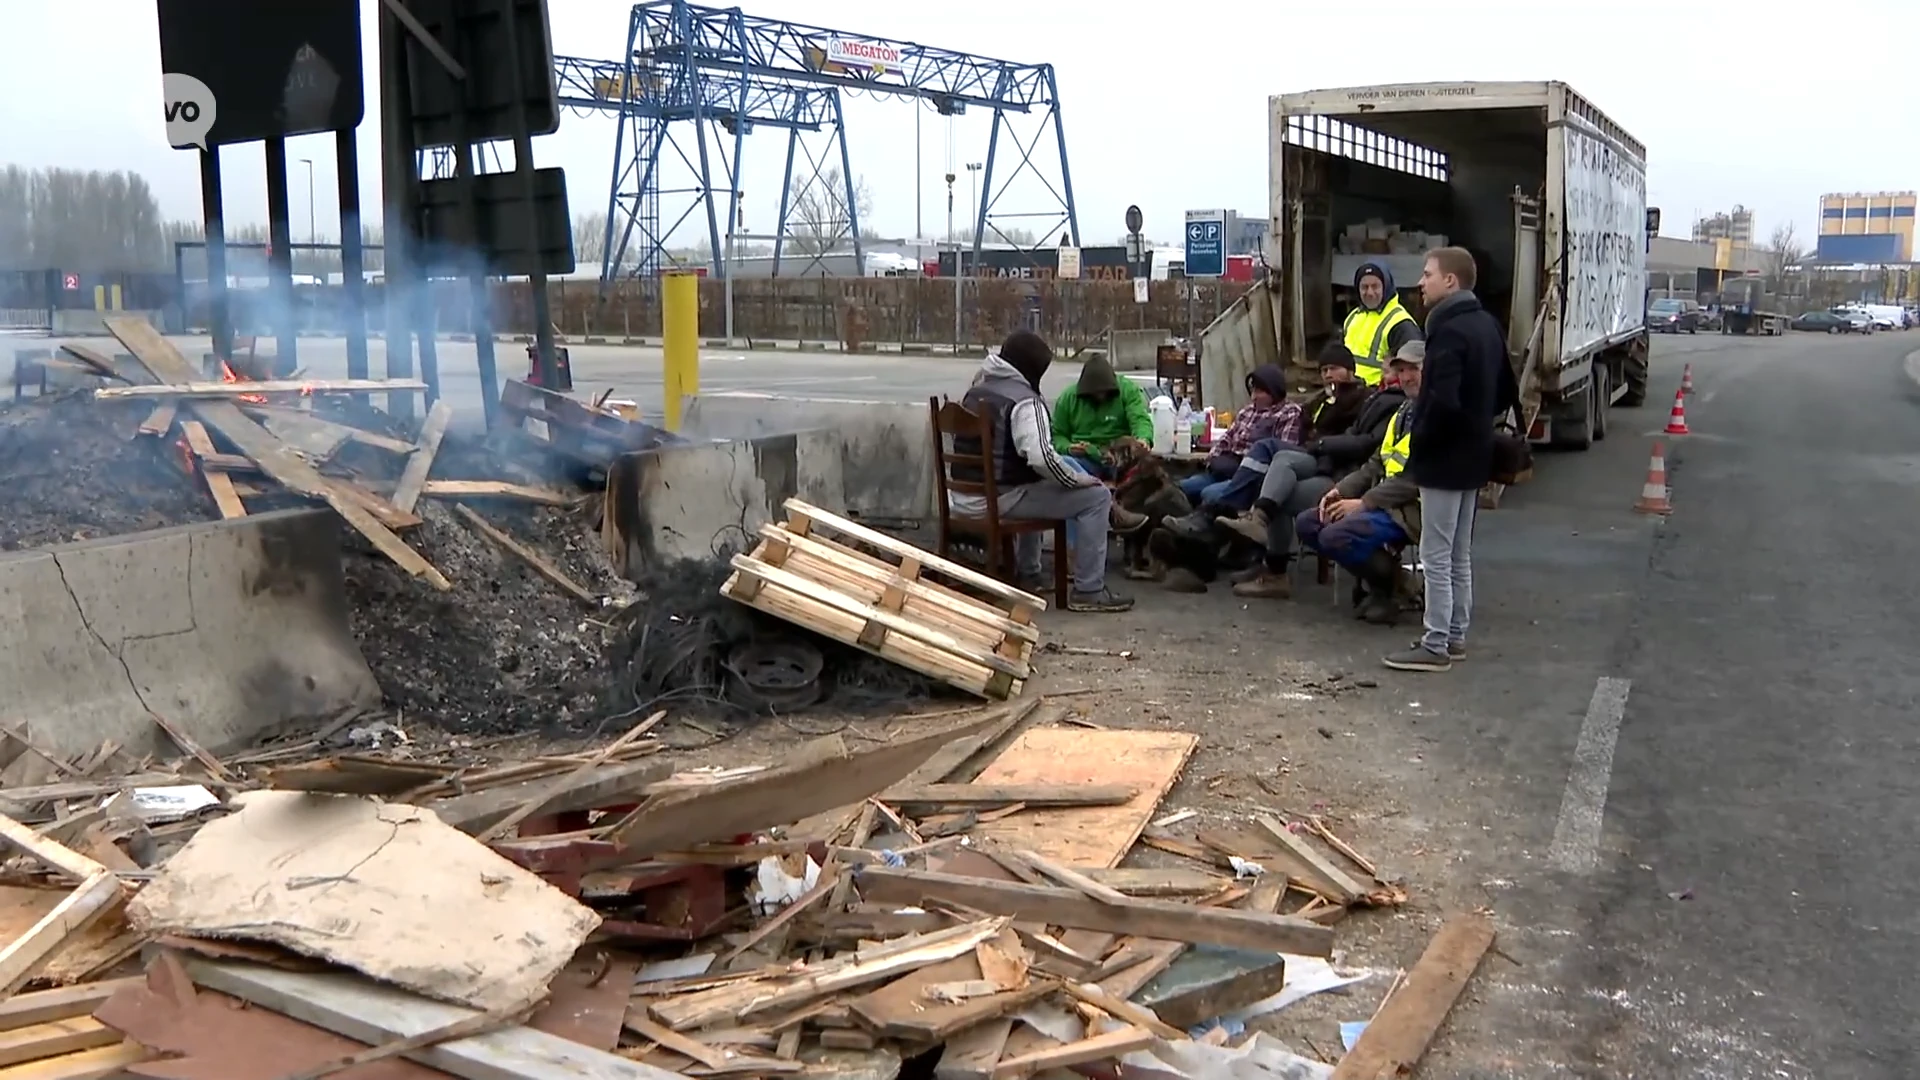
(1573, 421)
(1636, 370)
(1601, 390)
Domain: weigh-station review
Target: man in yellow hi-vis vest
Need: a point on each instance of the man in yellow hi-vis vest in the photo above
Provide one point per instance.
(1375, 509)
(1379, 327)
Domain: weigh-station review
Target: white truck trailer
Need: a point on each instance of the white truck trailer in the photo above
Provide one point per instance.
(1546, 191)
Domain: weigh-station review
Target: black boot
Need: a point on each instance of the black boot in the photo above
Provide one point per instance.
(1381, 574)
(1195, 526)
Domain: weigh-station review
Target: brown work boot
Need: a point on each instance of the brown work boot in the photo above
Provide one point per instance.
(1124, 520)
(1267, 585)
(1252, 525)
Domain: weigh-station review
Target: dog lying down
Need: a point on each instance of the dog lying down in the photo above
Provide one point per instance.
(1154, 553)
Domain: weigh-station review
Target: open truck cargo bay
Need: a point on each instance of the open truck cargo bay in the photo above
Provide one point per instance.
(1546, 191)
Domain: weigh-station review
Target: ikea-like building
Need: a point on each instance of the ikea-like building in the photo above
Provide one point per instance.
(1866, 227)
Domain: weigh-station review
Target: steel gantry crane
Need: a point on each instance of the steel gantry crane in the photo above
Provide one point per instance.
(689, 68)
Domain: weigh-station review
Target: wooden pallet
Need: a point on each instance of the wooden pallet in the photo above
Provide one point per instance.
(892, 599)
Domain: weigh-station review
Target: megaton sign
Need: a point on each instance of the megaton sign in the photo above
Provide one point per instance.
(870, 55)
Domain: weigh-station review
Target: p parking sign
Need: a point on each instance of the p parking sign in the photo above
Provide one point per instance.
(1206, 243)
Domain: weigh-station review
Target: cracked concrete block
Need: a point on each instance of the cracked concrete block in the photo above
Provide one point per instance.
(886, 448)
(228, 629)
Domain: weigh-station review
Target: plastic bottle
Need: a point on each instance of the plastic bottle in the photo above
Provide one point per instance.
(1183, 429)
(1161, 408)
(1203, 429)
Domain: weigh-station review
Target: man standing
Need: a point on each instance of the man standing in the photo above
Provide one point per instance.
(1097, 409)
(1465, 384)
(1034, 482)
(1379, 326)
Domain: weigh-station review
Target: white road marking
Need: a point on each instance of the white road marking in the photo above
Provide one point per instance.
(1583, 806)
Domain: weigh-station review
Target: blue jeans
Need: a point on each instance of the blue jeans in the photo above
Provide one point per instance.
(1206, 485)
(1090, 466)
(1446, 555)
(1353, 539)
(1250, 480)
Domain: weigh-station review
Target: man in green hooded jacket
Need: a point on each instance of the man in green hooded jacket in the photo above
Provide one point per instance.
(1096, 410)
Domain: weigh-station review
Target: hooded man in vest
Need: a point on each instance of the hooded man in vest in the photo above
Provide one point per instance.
(1379, 326)
(1032, 480)
(1375, 508)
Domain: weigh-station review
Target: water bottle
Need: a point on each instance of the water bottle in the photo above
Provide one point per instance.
(1161, 408)
(1183, 429)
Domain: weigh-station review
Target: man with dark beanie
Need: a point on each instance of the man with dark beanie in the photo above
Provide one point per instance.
(1034, 483)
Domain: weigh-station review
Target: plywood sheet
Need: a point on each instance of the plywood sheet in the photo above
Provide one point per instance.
(102, 942)
(1085, 836)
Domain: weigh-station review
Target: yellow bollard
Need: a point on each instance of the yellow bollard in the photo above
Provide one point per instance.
(113, 296)
(99, 298)
(680, 344)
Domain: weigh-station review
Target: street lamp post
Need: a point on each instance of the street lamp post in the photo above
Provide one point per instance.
(973, 211)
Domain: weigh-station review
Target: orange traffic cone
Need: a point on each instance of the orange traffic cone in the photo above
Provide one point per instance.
(1677, 421)
(1686, 380)
(1653, 495)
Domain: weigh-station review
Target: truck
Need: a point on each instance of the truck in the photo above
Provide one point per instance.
(1748, 306)
(1545, 190)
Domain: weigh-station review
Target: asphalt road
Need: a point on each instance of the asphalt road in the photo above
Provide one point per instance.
(1692, 739)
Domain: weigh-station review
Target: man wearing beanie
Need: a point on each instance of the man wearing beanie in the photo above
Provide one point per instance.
(1033, 482)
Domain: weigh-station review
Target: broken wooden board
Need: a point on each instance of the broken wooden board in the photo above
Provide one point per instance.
(991, 795)
(420, 462)
(1149, 761)
(315, 436)
(1325, 875)
(614, 782)
(96, 946)
(341, 879)
(892, 604)
(536, 561)
(822, 776)
(903, 1009)
(1397, 1037)
(219, 484)
(41, 1006)
(370, 1013)
(587, 1002)
(98, 892)
(1165, 920)
(354, 774)
(496, 489)
(275, 458)
(231, 390)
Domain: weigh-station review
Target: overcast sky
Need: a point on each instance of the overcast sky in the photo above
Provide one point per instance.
(1769, 105)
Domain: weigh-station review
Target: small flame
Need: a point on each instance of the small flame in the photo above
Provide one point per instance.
(186, 455)
(227, 374)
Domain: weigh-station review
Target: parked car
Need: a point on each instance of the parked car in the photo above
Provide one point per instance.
(1672, 316)
(1824, 322)
(1862, 322)
(1709, 320)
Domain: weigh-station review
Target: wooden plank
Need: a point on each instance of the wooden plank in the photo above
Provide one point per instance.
(54, 1037)
(192, 389)
(160, 420)
(878, 576)
(1113, 1044)
(613, 782)
(1072, 878)
(24, 955)
(965, 575)
(926, 795)
(973, 1053)
(956, 753)
(101, 364)
(1162, 919)
(63, 1003)
(1081, 837)
(219, 484)
(495, 489)
(902, 1009)
(1399, 1034)
(820, 777)
(100, 1063)
(532, 558)
(369, 1012)
(556, 786)
(1345, 887)
(1159, 881)
(420, 462)
(275, 459)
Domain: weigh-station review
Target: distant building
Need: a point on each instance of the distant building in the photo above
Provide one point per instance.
(1866, 227)
(1735, 225)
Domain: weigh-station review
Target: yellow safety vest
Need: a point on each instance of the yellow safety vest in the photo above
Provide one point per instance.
(1365, 334)
(1395, 445)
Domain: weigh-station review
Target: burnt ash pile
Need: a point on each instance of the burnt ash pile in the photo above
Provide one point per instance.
(689, 648)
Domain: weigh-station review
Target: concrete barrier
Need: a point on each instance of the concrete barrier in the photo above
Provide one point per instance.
(1135, 350)
(688, 502)
(886, 448)
(226, 629)
(89, 323)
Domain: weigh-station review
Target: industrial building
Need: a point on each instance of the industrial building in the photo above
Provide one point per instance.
(1866, 227)
(1735, 225)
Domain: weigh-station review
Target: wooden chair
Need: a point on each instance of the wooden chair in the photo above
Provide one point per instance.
(952, 419)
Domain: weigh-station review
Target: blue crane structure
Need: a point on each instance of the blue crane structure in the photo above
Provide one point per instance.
(688, 67)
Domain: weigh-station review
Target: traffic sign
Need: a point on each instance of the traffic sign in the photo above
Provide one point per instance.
(1206, 243)
(1134, 219)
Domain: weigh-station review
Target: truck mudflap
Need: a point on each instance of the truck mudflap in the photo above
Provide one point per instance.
(1245, 336)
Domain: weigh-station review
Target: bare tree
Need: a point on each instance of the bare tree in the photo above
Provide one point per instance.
(589, 237)
(79, 221)
(1783, 250)
(819, 219)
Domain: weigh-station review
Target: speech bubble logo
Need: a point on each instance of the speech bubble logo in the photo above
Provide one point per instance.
(190, 110)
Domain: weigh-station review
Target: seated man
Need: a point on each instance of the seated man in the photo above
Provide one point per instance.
(1097, 409)
(1267, 415)
(1033, 482)
(1271, 465)
(1372, 511)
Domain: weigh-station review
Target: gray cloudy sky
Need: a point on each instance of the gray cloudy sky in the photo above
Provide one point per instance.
(1769, 105)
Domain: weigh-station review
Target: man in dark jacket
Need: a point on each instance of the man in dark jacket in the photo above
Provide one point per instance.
(1465, 384)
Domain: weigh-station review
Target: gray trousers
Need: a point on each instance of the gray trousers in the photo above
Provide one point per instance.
(1287, 468)
(1301, 497)
(1085, 508)
(1446, 556)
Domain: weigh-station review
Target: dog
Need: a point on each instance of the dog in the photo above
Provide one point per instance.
(1141, 484)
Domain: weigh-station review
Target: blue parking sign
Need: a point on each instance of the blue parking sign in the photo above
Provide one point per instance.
(1206, 243)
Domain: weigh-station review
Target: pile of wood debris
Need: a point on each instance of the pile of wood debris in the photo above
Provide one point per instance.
(950, 896)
